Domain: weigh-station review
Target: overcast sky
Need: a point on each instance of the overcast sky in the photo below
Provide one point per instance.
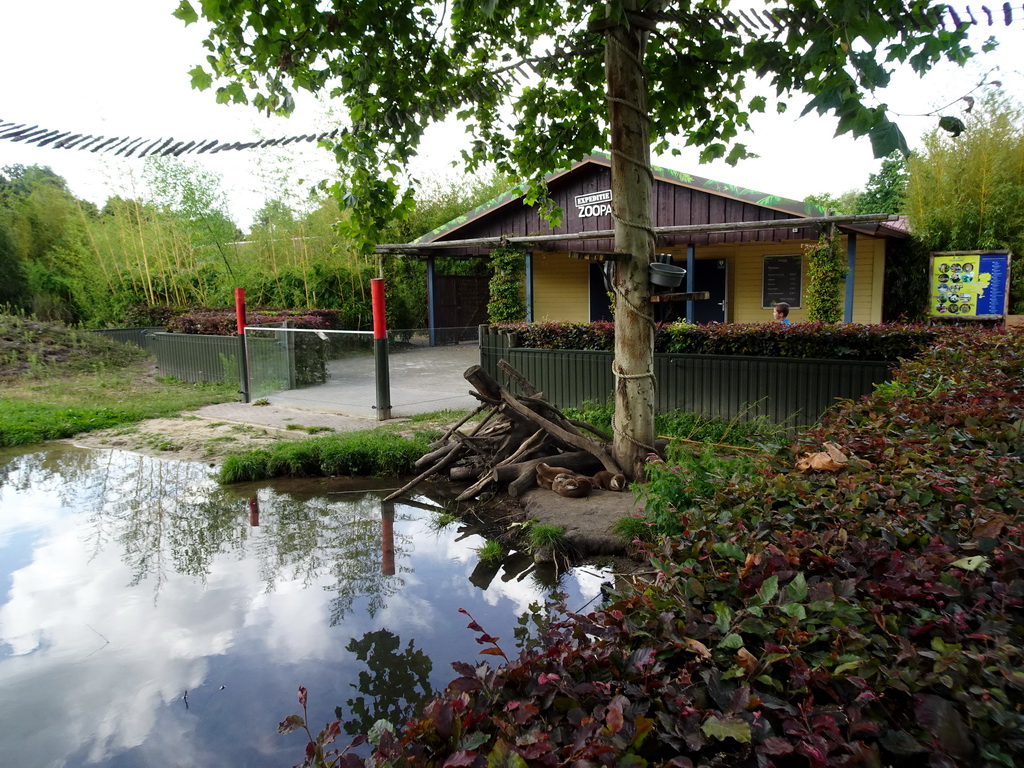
(120, 68)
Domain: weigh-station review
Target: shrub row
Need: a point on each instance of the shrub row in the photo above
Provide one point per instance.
(222, 322)
(845, 341)
(873, 616)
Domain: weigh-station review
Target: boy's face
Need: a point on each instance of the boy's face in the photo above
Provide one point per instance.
(778, 315)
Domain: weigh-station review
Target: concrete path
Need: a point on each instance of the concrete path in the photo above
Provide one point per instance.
(423, 380)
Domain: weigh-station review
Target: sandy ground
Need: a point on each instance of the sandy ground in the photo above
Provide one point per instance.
(215, 432)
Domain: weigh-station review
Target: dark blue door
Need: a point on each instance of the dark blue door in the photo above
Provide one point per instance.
(710, 275)
(600, 300)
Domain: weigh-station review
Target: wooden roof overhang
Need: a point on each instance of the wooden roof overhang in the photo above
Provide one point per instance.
(575, 243)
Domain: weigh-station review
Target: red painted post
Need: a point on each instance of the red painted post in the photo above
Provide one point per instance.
(243, 353)
(240, 309)
(380, 350)
(387, 520)
(254, 511)
(380, 330)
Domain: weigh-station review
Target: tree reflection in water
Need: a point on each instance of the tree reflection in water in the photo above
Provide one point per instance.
(394, 685)
(170, 516)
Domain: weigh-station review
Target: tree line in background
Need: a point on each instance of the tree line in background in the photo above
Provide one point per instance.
(175, 246)
(959, 193)
(63, 258)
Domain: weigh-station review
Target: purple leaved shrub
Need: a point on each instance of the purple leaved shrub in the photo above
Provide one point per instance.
(872, 616)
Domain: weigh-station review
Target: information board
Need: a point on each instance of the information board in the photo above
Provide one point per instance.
(781, 280)
(969, 284)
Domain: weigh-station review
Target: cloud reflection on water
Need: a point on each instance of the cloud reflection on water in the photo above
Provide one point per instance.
(134, 580)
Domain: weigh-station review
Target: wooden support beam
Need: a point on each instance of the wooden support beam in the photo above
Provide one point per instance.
(599, 256)
(691, 296)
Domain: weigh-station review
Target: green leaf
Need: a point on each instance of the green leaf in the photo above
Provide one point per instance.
(732, 641)
(952, 125)
(201, 80)
(730, 550)
(723, 616)
(768, 590)
(473, 740)
(186, 12)
(886, 138)
(796, 590)
(502, 756)
(730, 728)
(794, 610)
(971, 563)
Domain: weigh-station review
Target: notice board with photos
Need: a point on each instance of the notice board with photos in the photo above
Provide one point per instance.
(781, 280)
(969, 284)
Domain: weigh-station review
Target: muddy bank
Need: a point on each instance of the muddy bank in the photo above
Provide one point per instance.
(588, 522)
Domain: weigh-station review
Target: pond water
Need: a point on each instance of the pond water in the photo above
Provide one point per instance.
(151, 617)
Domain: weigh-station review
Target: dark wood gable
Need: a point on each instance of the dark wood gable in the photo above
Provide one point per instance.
(678, 200)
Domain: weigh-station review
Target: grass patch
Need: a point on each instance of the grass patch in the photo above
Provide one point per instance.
(310, 430)
(50, 409)
(30, 349)
(442, 520)
(544, 536)
(491, 551)
(59, 382)
(692, 427)
(369, 452)
(633, 528)
(222, 439)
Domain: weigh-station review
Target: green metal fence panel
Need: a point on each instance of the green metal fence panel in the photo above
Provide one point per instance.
(789, 391)
(140, 337)
(566, 377)
(194, 358)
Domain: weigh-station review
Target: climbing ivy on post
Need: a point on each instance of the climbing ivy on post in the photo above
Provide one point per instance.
(507, 303)
(826, 277)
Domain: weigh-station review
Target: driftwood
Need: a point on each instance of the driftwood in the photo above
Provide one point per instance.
(518, 432)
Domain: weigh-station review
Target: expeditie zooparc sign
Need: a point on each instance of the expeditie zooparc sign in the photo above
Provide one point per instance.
(594, 204)
(969, 284)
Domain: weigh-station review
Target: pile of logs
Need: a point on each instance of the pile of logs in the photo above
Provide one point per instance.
(518, 434)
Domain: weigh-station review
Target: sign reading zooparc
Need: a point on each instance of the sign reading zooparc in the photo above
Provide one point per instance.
(594, 204)
(969, 284)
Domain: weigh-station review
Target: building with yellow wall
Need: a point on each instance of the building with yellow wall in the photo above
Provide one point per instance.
(746, 269)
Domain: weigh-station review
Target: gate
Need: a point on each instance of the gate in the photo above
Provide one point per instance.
(460, 307)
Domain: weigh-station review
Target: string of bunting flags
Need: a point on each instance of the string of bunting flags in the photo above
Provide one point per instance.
(136, 147)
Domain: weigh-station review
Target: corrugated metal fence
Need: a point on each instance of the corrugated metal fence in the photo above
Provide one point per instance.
(274, 364)
(137, 336)
(789, 391)
(188, 357)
